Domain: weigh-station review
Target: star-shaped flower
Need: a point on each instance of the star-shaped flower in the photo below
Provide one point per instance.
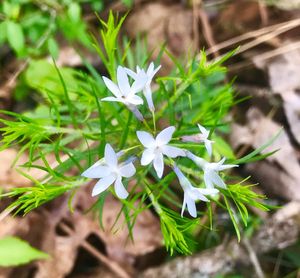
(124, 92)
(156, 148)
(148, 75)
(191, 193)
(211, 170)
(201, 137)
(110, 171)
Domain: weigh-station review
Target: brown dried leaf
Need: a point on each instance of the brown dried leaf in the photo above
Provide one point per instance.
(279, 173)
(9, 177)
(284, 80)
(146, 234)
(164, 24)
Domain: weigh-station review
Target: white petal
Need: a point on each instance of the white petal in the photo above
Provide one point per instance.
(112, 86)
(112, 99)
(135, 111)
(198, 160)
(110, 156)
(178, 172)
(216, 179)
(204, 131)
(150, 69)
(208, 147)
(128, 170)
(103, 184)
(207, 180)
(146, 138)
(191, 138)
(165, 136)
(154, 72)
(147, 157)
(184, 182)
(228, 166)
(172, 152)
(96, 172)
(183, 205)
(158, 164)
(191, 206)
(208, 191)
(196, 194)
(131, 73)
(123, 81)
(135, 100)
(220, 163)
(148, 95)
(140, 82)
(120, 189)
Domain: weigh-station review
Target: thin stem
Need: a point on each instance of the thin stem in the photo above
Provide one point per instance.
(154, 122)
(153, 200)
(146, 124)
(131, 148)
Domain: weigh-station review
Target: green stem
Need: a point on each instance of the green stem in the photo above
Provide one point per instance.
(154, 122)
(154, 201)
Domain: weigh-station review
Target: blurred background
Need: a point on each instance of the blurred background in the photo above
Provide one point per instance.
(266, 74)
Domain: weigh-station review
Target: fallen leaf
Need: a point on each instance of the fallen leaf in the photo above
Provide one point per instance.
(279, 173)
(284, 80)
(168, 24)
(146, 233)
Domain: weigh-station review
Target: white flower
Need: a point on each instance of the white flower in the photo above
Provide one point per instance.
(201, 137)
(110, 171)
(211, 176)
(191, 193)
(156, 148)
(125, 93)
(141, 74)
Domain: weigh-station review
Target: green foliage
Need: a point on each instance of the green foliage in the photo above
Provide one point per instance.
(31, 28)
(72, 123)
(109, 35)
(17, 40)
(14, 252)
(175, 230)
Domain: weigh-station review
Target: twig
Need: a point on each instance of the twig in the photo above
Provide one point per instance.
(253, 258)
(263, 12)
(265, 56)
(263, 39)
(113, 266)
(207, 31)
(286, 26)
(195, 25)
(277, 265)
(6, 212)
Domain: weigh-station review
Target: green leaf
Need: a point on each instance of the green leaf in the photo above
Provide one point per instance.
(223, 148)
(15, 37)
(233, 218)
(2, 32)
(42, 76)
(14, 251)
(74, 12)
(127, 3)
(53, 47)
(11, 10)
(251, 156)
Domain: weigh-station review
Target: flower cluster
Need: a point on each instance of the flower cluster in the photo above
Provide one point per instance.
(126, 93)
(110, 171)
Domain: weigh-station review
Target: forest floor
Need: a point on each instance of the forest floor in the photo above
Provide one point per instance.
(266, 68)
